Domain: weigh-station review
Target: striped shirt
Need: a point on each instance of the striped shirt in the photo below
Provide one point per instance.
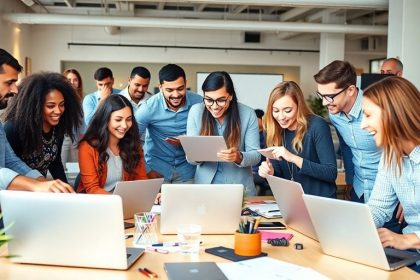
(391, 187)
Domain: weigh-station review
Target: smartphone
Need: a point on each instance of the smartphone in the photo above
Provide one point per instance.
(271, 225)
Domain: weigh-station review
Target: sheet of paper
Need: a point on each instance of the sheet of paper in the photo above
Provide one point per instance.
(267, 153)
(268, 268)
(156, 209)
(267, 210)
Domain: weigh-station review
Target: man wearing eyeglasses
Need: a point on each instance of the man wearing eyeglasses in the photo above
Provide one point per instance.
(338, 91)
(164, 117)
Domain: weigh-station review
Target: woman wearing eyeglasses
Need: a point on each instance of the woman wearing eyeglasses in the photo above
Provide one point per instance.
(221, 114)
(301, 142)
(390, 109)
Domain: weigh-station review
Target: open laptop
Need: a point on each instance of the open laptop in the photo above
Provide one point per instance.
(83, 230)
(346, 230)
(216, 207)
(137, 196)
(288, 195)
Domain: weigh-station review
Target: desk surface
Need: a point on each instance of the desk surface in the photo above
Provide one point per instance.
(311, 256)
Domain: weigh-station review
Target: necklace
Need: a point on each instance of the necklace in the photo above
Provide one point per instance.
(48, 142)
(289, 167)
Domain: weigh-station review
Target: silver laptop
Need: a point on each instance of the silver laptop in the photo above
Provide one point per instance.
(346, 230)
(216, 207)
(83, 230)
(194, 271)
(138, 196)
(288, 195)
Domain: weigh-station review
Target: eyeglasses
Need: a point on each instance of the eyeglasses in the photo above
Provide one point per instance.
(330, 97)
(219, 101)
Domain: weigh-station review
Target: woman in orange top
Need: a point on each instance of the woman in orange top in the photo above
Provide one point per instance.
(109, 144)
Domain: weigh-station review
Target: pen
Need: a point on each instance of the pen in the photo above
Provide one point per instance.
(145, 273)
(159, 250)
(166, 244)
(271, 211)
(153, 274)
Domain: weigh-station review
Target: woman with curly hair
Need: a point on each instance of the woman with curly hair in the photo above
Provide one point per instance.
(37, 119)
(111, 143)
(301, 142)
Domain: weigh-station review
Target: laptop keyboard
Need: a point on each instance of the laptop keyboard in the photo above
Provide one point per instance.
(393, 259)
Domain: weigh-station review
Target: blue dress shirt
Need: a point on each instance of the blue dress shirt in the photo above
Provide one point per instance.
(10, 165)
(391, 187)
(90, 104)
(162, 122)
(360, 154)
(228, 172)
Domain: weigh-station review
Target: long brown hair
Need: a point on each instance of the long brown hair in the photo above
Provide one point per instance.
(274, 131)
(79, 90)
(399, 101)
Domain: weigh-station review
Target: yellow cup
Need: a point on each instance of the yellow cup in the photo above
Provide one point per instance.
(247, 244)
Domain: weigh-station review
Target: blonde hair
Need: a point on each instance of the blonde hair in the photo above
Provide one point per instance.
(274, 131)
(399, 101)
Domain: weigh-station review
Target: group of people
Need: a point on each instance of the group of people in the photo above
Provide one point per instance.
(132, 135)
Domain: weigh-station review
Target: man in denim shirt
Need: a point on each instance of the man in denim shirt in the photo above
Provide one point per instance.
(14, 173)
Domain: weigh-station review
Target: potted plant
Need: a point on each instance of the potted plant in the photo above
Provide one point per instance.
(4, 238)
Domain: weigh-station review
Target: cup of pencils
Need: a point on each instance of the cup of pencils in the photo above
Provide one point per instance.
(145, 233)
(248, 238)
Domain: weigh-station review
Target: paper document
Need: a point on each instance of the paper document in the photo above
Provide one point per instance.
(266, 210)
(267, 152)
(268, 268)
(202, 148)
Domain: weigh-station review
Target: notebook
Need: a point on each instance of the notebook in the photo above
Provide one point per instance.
(194, 271)
(83, 230)
(346, 230)
(138, 196)
(288, 195)
(202, 148)
(216, 207)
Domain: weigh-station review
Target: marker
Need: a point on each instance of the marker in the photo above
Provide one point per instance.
(153, 274)
(159, 250)
(271, 211)
(142, 271)
(166, 244)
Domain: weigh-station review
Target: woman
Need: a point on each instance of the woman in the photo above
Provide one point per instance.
(69, 148)
(45, 109)
(221, 114)
(111, 142)
(301, 141)
(390, 109)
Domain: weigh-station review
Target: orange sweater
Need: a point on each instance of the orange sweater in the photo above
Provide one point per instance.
(90, 179)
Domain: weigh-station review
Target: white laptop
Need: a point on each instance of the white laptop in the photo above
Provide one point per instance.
(346, 230)
(216, 207)
(83, 230)
(138, 196)
(202, 148)
(288, 195)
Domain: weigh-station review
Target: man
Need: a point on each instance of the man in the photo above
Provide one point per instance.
(104, 82)
(164, 117)
(138, 84)
(14, 173)
(338, 91)
(392, 66)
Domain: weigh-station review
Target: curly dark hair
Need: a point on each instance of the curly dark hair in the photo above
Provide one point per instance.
(97, 134)
(26, 109)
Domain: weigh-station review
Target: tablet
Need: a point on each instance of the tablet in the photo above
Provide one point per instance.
(202, 148)
(267, 152)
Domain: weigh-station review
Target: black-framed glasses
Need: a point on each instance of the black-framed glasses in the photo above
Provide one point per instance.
(219, 101)
(330, 97)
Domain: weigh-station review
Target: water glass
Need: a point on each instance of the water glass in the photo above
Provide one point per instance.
(189, 236)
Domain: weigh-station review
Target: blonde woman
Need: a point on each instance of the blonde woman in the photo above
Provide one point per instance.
(390, 109)
(301, 142)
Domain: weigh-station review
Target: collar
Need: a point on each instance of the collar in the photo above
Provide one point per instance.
(356, 110)
(186, 105)
(415, 155)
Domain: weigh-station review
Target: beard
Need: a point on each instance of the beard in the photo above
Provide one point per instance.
(3, 101)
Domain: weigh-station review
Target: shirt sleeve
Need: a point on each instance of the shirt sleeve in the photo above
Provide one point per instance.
(142, 117)
(89, 108)
(347, 159)
(193, 127)
(251, 141)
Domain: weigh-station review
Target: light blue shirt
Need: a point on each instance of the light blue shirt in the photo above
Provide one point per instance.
(228, 172)
(360, 154)
(160, 122)
(391, 187)
(90, 104)
(11, 165)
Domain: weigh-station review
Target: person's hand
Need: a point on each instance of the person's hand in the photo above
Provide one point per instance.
(282, 153)
(153, 175)
(266, 168)
(230, 155)
(400, 214)
(347, 192)
(55, 186)
(157, 199)
(105, 91)
(173, 140)
(398, 241)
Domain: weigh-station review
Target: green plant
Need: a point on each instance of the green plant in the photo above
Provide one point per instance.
(5, 238)
(316, 106)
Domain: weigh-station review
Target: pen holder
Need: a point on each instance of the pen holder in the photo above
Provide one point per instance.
(247, 244)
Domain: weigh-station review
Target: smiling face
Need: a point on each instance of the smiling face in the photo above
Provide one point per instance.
(217, 103)
(138, 87)
(174, 92)
(342, 102)
(119, 123)
(53, 109)
(8, 88)
(372, 121)
(285, 112)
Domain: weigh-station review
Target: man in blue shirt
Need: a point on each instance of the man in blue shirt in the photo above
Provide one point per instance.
(164, 116)
(104, 82)
(337, 88)
(138, 84)
(14, 173)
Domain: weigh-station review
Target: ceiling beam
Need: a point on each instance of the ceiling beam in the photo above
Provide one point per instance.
(239, 9)
(293, 13)
(200, 8)
(160, 5)
(70, 3)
